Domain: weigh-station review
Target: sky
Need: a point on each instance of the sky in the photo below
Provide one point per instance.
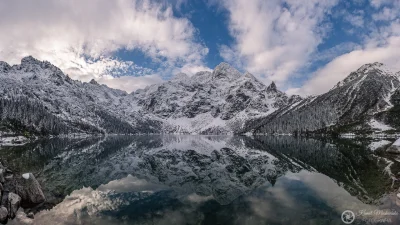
(305, 47)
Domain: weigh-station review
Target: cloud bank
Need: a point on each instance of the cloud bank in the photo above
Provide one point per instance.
(304, 46)
(275, 38)
(82, 37)
(280, 39)
(381, 43)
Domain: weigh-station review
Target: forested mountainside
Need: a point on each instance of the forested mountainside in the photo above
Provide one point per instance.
(365, 101)
(38, 98)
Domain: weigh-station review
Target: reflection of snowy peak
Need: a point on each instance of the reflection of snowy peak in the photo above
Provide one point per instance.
(219, 166)
(148, 175)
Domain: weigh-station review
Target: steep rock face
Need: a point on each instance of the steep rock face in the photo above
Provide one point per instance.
(358, 98)
(392, 115)
(210, 102)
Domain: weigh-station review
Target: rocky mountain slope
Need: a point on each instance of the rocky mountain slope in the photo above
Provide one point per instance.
(37, 97)
(210, 102)
(365, 101)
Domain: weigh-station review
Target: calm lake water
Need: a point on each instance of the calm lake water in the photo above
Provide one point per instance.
(206, 180)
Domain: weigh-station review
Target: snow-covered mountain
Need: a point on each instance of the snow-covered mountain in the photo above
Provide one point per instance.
(210, 102)
(36, 96)
(39, 98)
(358, 103)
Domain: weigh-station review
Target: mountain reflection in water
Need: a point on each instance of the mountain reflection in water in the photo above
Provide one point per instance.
(203, 180)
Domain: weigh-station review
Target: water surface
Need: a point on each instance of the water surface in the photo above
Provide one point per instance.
(205, 180)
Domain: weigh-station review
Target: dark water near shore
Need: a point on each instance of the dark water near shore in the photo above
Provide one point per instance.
(207, 180)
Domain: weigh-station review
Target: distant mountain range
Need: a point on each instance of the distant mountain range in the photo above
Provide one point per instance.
(38, 98)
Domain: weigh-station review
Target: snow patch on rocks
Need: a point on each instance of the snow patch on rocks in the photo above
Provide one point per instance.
(378, 144)
(13, 141)
(395, 148)
(379, 125)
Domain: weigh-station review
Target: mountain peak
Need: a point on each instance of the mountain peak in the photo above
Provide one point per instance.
(29, 60)
(373, 66)
(92, 81)
(224, 70)
(224, 65)
(249, 75)
(272, 87)
(377, 64)
(180, 76)
(373, 69)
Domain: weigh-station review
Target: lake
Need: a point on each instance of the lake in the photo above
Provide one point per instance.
(208, 180)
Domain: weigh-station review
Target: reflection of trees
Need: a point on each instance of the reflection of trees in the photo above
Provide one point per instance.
(350, 165)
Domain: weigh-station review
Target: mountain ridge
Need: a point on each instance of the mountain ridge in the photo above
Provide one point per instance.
(223, 101)
(356, 99)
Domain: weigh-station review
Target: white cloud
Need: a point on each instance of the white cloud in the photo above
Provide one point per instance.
(130, 83)
(275, 38)
(389, 12)
(379, 3)
(343, 65)
(81, 36)
(331, 53)
(85, 69)
(191, 69)
(386, 14)
(355, 20)
(380, 43)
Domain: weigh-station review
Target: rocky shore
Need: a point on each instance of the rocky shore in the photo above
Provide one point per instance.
(18, 191)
